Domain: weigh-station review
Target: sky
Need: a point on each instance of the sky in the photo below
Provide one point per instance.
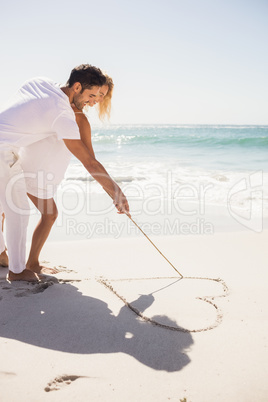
(172, 61)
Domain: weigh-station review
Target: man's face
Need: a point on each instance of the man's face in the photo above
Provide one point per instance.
(87, 97)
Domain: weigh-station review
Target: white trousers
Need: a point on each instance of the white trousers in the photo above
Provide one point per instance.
(14, 204)
(2, 242)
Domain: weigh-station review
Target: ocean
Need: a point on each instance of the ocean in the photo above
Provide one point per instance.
(224, 164)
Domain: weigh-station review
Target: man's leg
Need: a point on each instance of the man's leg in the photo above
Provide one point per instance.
(49, 214)
(3, 254)
(15, 205)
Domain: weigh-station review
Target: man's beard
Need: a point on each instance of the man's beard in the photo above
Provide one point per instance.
(77, 101)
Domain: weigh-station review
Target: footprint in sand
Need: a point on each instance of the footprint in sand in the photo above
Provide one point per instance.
(34, 289)
(60, 268)
(61, 381)
(22, 289)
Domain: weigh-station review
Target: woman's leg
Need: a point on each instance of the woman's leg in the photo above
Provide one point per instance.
(49, 214)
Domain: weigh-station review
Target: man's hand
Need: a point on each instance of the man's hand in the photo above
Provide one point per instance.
(121, 203)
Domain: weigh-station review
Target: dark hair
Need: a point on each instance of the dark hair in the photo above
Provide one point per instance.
(88, 76)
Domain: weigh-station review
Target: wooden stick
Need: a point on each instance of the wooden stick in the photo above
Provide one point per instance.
(154, 245)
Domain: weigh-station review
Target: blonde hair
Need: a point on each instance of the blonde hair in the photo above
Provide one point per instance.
(104, 107)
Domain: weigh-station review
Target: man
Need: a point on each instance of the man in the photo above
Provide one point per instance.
(41, 109)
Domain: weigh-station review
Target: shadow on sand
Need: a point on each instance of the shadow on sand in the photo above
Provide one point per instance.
(60, 318)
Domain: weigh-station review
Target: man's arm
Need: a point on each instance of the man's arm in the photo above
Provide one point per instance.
(85, 131)
(97, 171)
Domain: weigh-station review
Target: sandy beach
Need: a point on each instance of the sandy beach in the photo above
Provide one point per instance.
(180, 124)
(75, 338)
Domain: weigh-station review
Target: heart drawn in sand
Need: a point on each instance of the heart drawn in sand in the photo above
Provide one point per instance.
(185, 304)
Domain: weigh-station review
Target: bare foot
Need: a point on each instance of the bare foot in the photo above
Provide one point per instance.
(25, 275)
(41, 269)
(3, 259)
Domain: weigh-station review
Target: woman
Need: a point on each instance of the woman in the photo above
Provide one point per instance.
(43, 177)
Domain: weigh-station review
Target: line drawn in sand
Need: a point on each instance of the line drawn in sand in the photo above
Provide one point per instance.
(207, 299)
